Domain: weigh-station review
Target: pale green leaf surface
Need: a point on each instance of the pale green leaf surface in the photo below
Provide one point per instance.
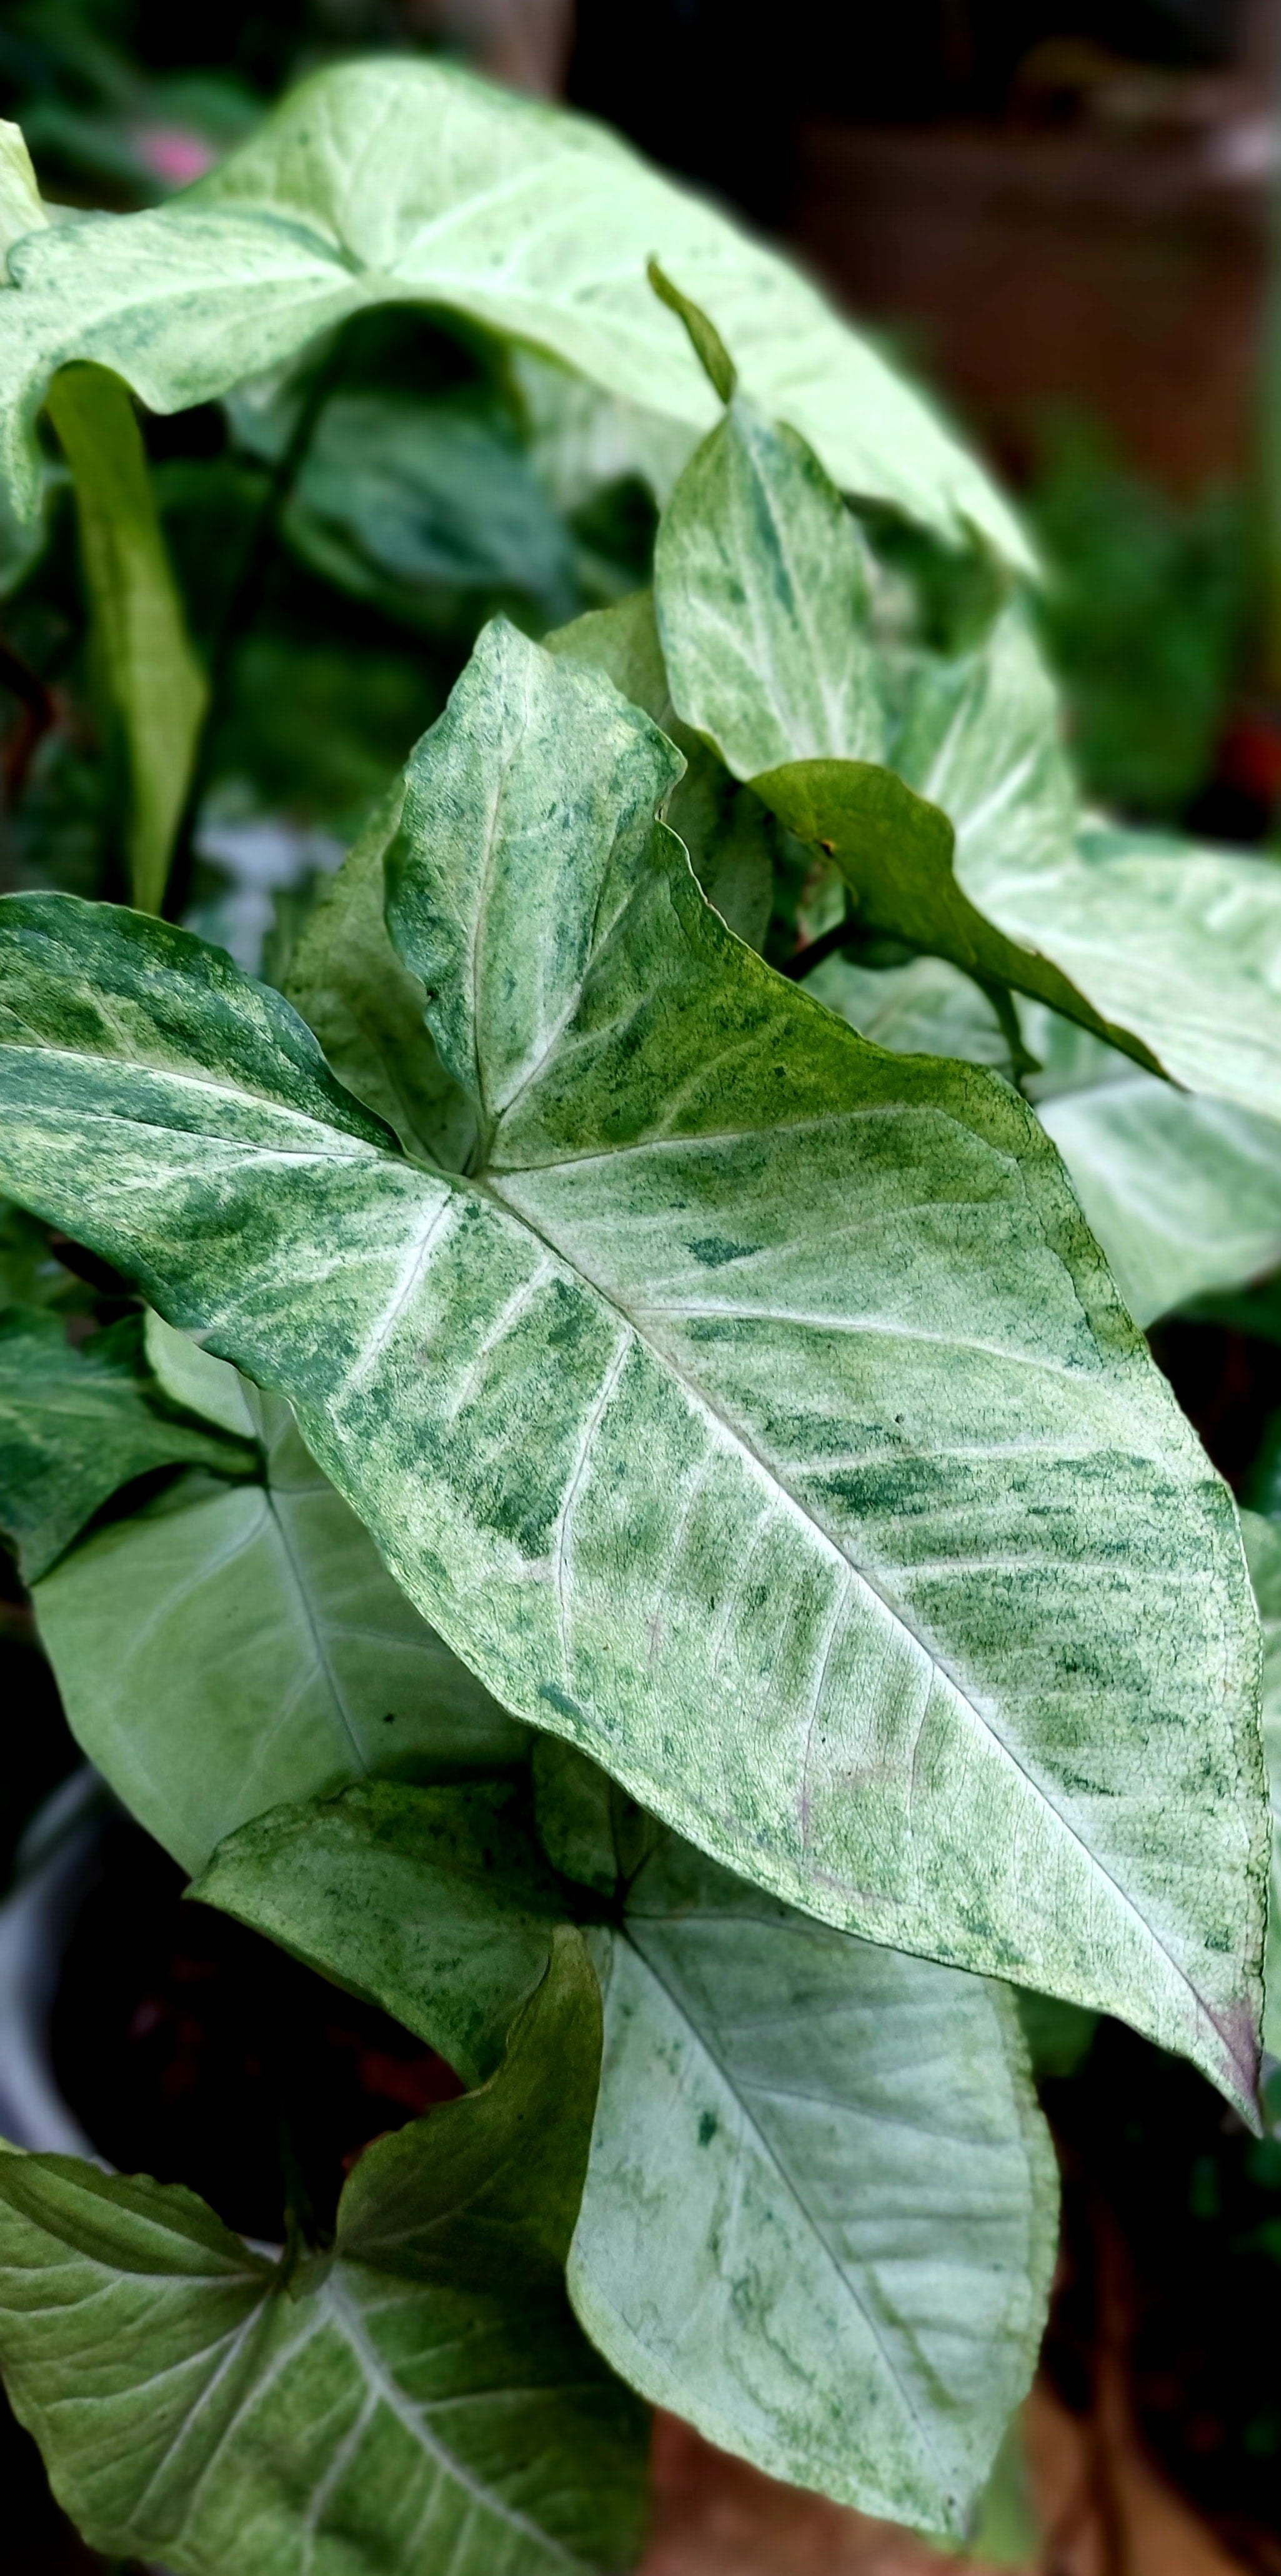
(366, 1008)
(1183, 1193)
(155, 685)
(193, 1378)
(581, 440)
(924, 1008)
(819, 2213)
(21, 209)
(725, 828)
(413, 182)
(259, 1623)
(1178, 945)
(783, 1442)
(761, 590)
(76, 1424)
(1263, 1547)
(422, 2399)
(840, 2153)
(432, 1903)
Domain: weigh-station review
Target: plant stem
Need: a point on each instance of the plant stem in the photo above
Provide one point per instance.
(244, 602)
(843, 935)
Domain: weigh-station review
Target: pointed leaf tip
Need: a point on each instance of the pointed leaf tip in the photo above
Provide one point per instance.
(705, 340)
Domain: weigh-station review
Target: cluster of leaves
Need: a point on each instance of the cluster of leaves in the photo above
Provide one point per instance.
(662, 1558)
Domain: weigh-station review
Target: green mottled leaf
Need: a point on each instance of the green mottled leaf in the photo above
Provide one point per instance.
(366, 1008)
(855, 2192)
(958, 830)
(760, 1416)
(152, 680)
(76, 1424)
(1183, 1193)
(432, 1903)
(762, 595)
(819, 2215)
(761, 587)
(1178, 945)
(1263, 1547)
(725, 828)
(258, 1623)
(411, 182)
(422, 2397)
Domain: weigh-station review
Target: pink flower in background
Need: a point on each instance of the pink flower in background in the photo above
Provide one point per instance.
(173, 153)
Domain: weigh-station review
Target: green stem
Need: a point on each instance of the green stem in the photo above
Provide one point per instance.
(244, 602)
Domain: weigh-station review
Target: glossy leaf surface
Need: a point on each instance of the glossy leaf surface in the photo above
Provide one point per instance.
(412, 182)
(422, 2398)
(722, 1419)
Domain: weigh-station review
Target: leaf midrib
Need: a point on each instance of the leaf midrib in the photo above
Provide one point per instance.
(704, 1402)
(791, 2187)
(337, 2306)
(490, 1185)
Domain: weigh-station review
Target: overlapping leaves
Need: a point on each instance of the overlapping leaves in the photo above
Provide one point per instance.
(818, 2209)
(941, 789)
(419, 2397)
(77, 1424)
(411, 182)
(723, 1416)
(256, 1621)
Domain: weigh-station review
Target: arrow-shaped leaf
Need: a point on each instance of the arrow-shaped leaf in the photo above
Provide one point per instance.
(760, 1415)
(421, 2398)
(819, 2212)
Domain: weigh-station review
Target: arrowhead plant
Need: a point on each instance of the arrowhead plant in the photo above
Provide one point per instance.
(624, 1512)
